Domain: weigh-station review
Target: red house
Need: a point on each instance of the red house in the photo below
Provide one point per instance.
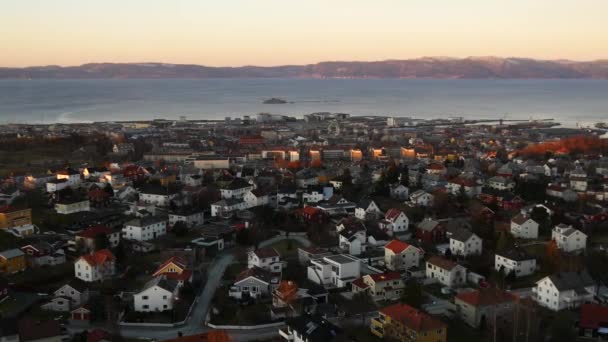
(430, 230)
(98, 197)
(251, 140)
(311, 214)
(81, 314)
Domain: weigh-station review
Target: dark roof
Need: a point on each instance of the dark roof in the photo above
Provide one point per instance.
(486, 297)
(267, 252)
(155, 189)
(515, 254)
(237, 183)
(8, 327)
(162, 282)
(258, 273)
(571, 280)
(314, 328)
(462, 235)
(30, 329)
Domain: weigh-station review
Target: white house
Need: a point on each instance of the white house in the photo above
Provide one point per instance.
(72, 177)
(314, 194)
(565, 290)
(399, 191)
(395, 222)
(334, 271)
(367, 208)
(75, 291)
(256, 198)
(421, 198)
(254, 282)
(191, 217)
(55, 185)
(145, 228)
(500, 183)
(71, 206)
(569, 239)
(96, 266)
(352, 239)
(157, 195)
(159, 294)
(236, 189)
(578, 179)
(514, 261)
(227, 207)
(265, 258)
(446, 272)
(400, 256)
(523, 227)
(464, 242)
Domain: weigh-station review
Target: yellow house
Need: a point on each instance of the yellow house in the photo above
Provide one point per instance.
(172, 265)
(402, 322)
(382, 286)
(12, 261)
(12, 217)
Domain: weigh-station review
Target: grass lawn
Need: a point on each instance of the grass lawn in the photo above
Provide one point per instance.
(44, 278)
(8, 241)
(537, 250)
(458, 331)
(360, 333)
(599, 237)
(435, 290)
(287, 248)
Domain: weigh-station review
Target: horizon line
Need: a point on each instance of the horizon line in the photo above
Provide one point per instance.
(318, 62)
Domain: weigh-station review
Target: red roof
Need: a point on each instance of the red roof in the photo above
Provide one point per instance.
(486, 297)
(98, 258)
(359, 283)
(397, 246)
(593, 316)
(392, 214)
(98, 194)
(412, 318)
(308, 210)
(8, 209)
(386, 276)
(436, 166)
(179, 262)
(97, 335)
(92, 232)
(185, 275)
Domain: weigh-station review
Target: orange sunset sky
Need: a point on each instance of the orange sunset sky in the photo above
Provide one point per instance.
(275, 32)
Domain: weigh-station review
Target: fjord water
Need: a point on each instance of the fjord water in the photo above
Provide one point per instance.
(50, 101)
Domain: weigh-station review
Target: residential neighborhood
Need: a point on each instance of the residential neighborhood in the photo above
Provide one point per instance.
(434, 231)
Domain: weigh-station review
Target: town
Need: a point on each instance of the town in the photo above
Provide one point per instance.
(329, 227)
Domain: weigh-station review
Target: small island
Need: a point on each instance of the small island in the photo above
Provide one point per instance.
(275, 100)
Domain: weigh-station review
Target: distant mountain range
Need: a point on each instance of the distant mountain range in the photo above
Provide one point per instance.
(428, 67)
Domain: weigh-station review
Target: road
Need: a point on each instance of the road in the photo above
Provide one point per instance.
(301, 239)
(196, 321)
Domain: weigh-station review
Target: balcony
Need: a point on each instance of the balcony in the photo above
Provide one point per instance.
(378, 331)
(285, 334)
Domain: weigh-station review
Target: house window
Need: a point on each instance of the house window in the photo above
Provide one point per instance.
(145, 306)
(144, 297)
(164, 297)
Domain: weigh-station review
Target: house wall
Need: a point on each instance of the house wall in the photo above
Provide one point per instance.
(145, 233)
(153, 299)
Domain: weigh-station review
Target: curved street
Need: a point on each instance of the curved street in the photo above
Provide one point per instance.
(196, 320)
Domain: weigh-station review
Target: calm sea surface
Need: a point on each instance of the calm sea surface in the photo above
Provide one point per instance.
(47, 101)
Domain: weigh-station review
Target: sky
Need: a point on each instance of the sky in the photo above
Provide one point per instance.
(279, 32)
